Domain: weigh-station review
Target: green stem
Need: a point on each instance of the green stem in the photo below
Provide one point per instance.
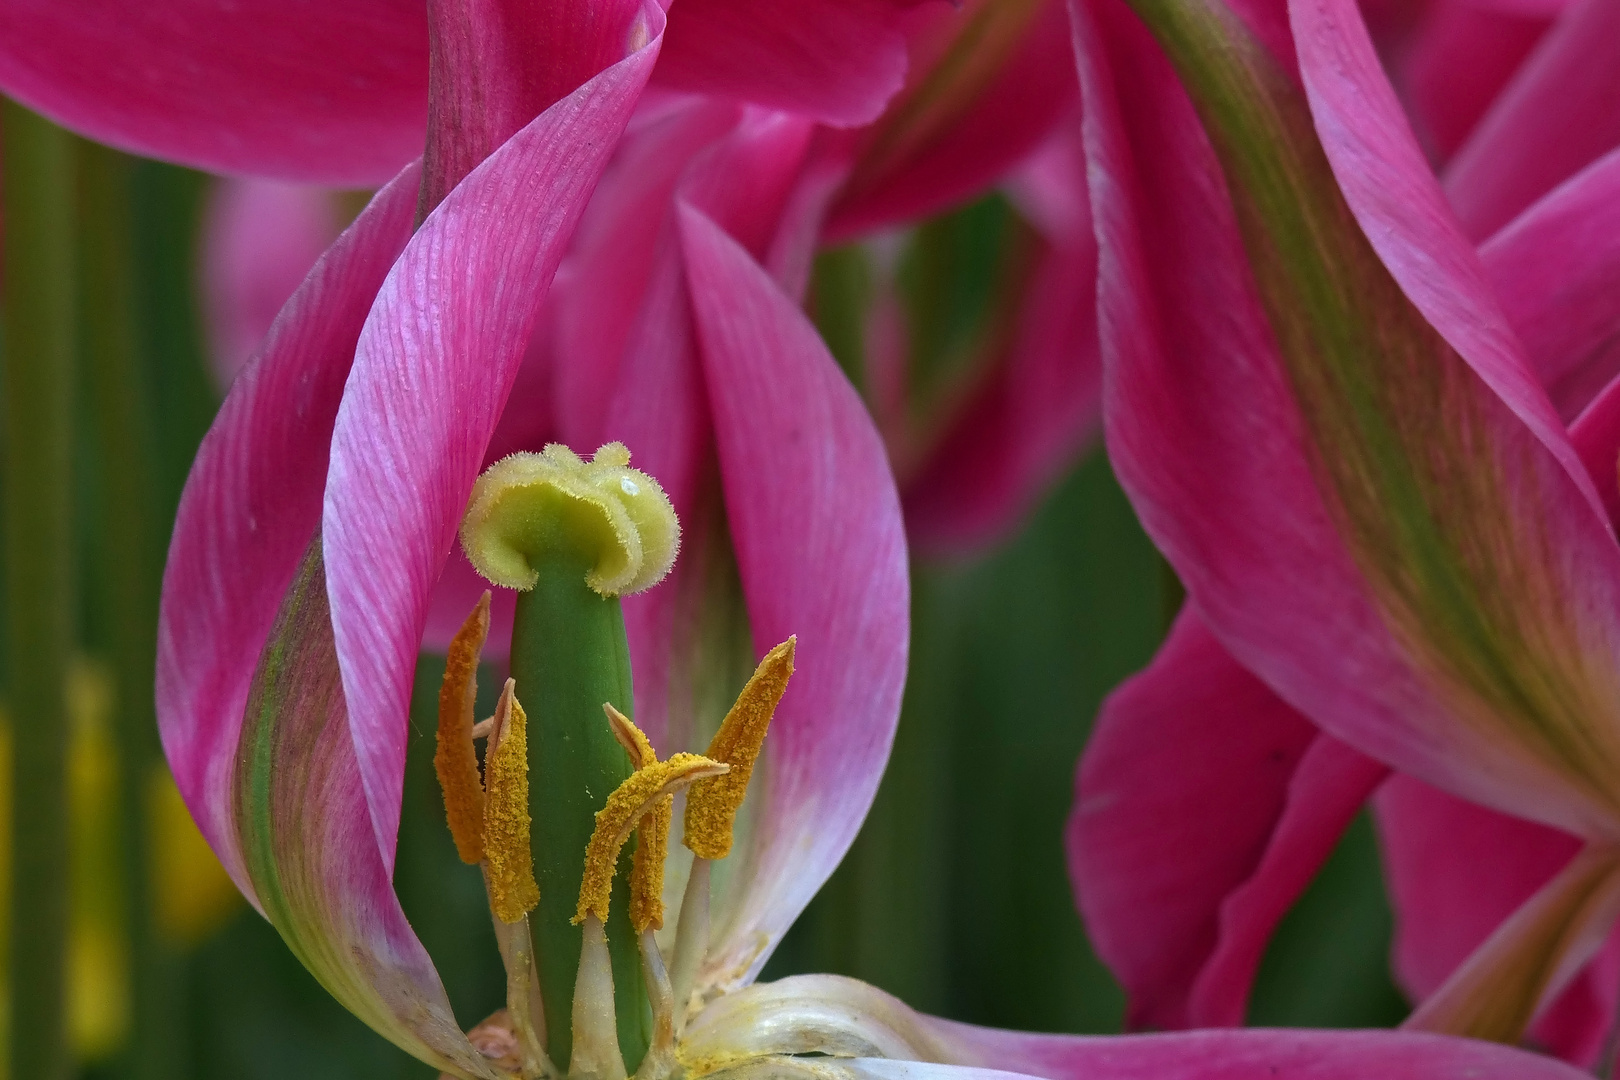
(569, 656)
(130, 556)
(37, 184)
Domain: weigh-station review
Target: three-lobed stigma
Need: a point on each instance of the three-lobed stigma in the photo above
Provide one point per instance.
(528, 506)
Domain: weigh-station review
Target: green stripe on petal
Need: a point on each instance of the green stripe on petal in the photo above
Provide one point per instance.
(307, 840)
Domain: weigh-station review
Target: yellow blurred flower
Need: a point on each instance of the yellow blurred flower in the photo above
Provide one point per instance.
(192, 895)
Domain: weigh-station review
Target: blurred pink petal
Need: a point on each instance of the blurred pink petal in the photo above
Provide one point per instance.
(1183, 782)
(967, 117)
(838, 61)
(260, 238)
(1560, 112)
(1042, 404)
(1556, 268)
(294, 89)
(1456, 63)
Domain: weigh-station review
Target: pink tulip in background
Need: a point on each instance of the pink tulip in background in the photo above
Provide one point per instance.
(989, 98)
(1393, 502)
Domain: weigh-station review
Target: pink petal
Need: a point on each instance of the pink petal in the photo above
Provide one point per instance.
(497, 64)
(815, 522)
(1230, 474)
(326, 93)
(1532, 956)
(251, 506)
(1181, 786)
(1455, 871)
(310, 848)
(1324, 796)
(1557, 271)
(1245, 1055)
(600, 288)
(1043, 403)
(904, 175)
(434, 366)
(829, 1014)
(1596, 434)
(1456, 63)
(837, 61)
(749, 172)
(1561, 112)
(277, 793)
(260, 238)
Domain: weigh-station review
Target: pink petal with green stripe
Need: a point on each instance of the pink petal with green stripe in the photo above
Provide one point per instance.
(271, 775)
(1338, 443)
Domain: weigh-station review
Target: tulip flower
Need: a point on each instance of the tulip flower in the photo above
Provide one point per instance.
(1332, 412)
(280, 657)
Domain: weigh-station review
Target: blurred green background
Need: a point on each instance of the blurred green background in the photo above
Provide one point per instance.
(955, 896)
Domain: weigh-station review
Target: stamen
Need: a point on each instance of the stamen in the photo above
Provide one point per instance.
(512, 889)
(652, 845)
(596, 1053)
(711, 807)
(454, 758)
(691, 938)
(660, 1059)
(625, 807)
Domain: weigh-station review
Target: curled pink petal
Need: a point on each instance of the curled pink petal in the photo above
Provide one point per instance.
(1181, 786)
(294, 89)
(272, 780)
(815, 523)
(260, 238)
(433, 369)
(1325, 793)
(253, 501)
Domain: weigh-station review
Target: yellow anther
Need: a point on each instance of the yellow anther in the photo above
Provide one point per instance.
(454, 759)
(512, 889)
(652, 831)
(628, 804)
(711, 807)
(637, 745)
(528, 504)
